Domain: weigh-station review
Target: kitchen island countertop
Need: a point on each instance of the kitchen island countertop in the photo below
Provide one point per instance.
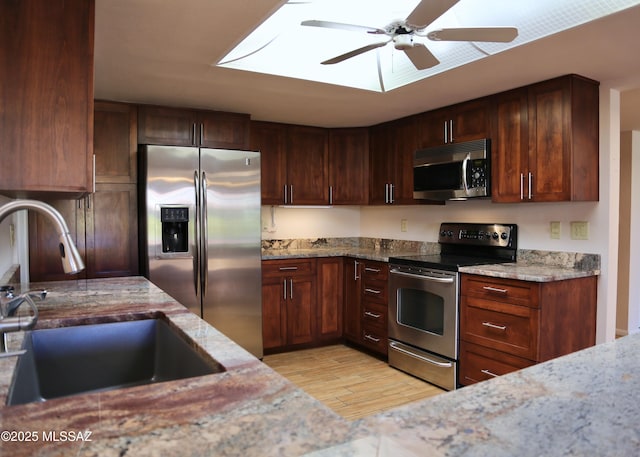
(581, 404)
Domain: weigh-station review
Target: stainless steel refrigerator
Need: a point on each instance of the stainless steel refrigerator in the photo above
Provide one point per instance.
(200, 234)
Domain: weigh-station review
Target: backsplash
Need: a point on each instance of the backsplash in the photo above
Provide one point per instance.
(578, 260)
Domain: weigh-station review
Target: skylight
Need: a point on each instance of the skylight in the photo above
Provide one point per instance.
(282, 46)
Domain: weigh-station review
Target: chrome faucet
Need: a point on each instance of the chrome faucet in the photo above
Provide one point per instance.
(9, 304)
(71, 260)
(71, 263)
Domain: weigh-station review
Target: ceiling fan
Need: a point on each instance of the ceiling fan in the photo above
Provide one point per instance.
(402, 33)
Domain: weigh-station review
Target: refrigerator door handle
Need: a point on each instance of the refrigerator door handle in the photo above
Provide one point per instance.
(204, 255)
(196, 242)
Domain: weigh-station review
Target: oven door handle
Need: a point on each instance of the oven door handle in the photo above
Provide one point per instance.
(427, 277)
(420, 357)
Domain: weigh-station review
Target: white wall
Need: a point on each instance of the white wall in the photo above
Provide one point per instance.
(336, 222)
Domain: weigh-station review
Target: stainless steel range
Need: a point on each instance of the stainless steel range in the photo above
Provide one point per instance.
(424, 298)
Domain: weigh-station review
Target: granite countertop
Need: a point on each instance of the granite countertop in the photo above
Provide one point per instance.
(533, 266)
(581, 404)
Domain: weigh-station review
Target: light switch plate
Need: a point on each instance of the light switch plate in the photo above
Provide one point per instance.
(555, 229)
(403, 225)
(579, 230)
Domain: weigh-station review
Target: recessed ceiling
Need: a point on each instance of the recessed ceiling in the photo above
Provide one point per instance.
(284, 45)
(161, 53)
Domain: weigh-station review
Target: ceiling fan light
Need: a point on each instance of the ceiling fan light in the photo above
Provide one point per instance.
(402, 42)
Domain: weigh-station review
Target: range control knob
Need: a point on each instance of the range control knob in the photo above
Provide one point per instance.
(504, 236)
(495, 235)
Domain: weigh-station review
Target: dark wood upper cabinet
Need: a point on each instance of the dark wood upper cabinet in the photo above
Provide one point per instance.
(392, 145)
(550, 151)
(115, 142)
(185, 127)
(454, 124)
(348, 166)
(46, 113)
(294, 163)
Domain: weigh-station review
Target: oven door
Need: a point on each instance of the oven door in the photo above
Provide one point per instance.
(423, 309)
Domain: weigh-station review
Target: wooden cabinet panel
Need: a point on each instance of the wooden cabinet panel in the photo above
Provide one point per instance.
(301, 306)
(224, 130)
(274, 324)
(184, 127)
(504, 321)
(454, 124)
(502, 326)
(111, 231)
(307, 165)
(556, 157)
(46, 113)
(290, 267)
(115, 142)
(294, 163)
(481, 363)
(381, 163)
(509, 145)
(270, 139)
(348, 166)
(44, 254)
(375, 339)
(330, 298)
(352, 299)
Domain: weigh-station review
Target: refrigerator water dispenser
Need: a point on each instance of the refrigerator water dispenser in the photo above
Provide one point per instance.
(175, 225)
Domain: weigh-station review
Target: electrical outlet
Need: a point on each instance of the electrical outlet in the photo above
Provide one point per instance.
(555, 228)
(403, 225)
(579, 230)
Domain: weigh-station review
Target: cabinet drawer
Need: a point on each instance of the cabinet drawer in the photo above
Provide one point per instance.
(375, 339)
(293, 267)
(502, 326)
(375, 291)
(478, 363)
(504, 290)
(374, 314)
(378, 271)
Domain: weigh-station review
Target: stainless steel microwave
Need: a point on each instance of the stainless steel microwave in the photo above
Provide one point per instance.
(453, 171)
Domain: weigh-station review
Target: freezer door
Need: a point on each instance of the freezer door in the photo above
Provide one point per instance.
(170, 198)
(232, 292)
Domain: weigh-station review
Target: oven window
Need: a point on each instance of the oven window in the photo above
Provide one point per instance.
(421, 310)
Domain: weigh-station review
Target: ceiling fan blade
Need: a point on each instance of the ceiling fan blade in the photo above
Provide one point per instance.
(339, 25)
(428, 11)
(492, 34)
(421, 57)
(354, 53)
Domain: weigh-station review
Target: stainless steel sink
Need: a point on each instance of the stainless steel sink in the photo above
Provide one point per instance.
(89, 358)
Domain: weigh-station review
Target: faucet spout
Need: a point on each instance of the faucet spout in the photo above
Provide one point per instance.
(71, 260)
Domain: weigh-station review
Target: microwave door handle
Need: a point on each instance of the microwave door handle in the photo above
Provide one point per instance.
(427, 277)
(465, 163)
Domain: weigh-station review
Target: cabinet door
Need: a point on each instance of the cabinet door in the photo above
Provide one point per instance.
(111, 231)
(115, 142)
(274, 319)
(223, 130)
(307, 166)
(509, 146)
(270, 139)
(44, 253)
(348, 166)
(330, 298)
(470, 121)
(352, 299)
(432, 128)
(549, 141)
(166, 126)
(405, 146)
(301, 309)
(381, 163)
(46, 117)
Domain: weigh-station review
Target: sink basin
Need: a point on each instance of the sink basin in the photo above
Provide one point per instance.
(89, 358)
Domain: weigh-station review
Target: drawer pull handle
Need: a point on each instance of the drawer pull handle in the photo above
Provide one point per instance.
(372, 291)
(372, 270)
(488, 373)
(495, 289)
(370, 338)
(288, 268)
(374, 315)
(421, 357)
(497, 327)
